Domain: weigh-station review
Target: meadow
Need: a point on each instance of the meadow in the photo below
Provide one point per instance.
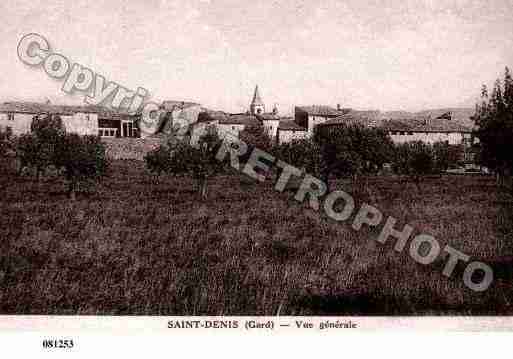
(133, 246)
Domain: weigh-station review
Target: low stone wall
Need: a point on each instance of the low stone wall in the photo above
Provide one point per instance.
(129, 148)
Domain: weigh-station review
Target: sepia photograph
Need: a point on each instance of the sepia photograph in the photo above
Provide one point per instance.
(336, 159)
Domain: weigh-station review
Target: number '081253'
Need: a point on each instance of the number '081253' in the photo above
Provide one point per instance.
(58, 343)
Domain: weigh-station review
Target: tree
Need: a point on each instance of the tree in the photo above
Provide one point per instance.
(303, 154)
(352, 149)
(7, 145)
(82, 158)
(494, 118)
(37, 149)
(300, 153)
(414, 159)
(256, 136)
(446, 155)
(180, 157)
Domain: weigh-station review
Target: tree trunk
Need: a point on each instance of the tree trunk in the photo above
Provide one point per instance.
(72, 191)
(203, 188)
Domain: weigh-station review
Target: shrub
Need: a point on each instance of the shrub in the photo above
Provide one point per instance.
(414, 159)
(352, 149)
(82, 158)
(198, 161)
(7, 146)
(36, 149)
(6, 143)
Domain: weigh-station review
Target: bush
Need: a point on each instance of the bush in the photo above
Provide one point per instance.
(7, 147)
(36, 150)
(352, 149)
(6, 143)
(82, 158)
(414, 159)
(303, 154)
(179, 157)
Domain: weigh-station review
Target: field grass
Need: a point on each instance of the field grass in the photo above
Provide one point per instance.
(133, 247)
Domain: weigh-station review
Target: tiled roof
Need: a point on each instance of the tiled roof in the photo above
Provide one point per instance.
(171, 104)
(34, 108)
(319, 110)
(397, 125)
(239, 119)
(364, 118)
(268, 116)
(427, 125)
(290, 125)
(209, 116)
(38, 108)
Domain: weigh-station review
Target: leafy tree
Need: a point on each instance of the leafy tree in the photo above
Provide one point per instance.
(180, 157)
(7, 145)
(158, 160)
(352, 149)
(82, 158)
(446, 155)
(415, 159)
(256, 136)
(6, 142)
(37, 149)
(303, 154)
(494, 117)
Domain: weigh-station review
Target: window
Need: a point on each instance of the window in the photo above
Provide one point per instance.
(10, 116)
(100, 132)
(8, 129)
(233, 128)
(401, 133)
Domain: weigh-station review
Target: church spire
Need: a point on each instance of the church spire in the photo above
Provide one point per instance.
(257, 105)
(257, 100)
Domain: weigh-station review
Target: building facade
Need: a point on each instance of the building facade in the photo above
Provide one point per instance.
(82, 120)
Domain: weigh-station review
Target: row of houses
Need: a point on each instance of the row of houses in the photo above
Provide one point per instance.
(402, 127)
(85, 120)
(96, 120)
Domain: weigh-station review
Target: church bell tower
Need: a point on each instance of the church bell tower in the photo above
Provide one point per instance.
(257, 106)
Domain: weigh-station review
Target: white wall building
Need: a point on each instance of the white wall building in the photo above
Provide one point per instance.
(429, 131)
(289, 131)
(83, 120)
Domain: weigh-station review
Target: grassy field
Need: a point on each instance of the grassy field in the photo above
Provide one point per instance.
(134, 247)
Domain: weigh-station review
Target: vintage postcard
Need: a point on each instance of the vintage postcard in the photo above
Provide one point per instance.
(198, 166)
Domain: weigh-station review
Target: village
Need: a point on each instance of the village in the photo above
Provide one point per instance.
(452, 126)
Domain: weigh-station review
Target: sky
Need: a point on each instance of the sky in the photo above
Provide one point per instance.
(365, 54)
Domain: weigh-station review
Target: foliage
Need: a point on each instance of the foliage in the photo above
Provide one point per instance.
(256, 135)
(352, 149)
(82, 158)
(303, 154)
(414, 159)
(158, 160)
(37, 148)
(6, 143)
(494, 117)
(47, 127)
(180, 157)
